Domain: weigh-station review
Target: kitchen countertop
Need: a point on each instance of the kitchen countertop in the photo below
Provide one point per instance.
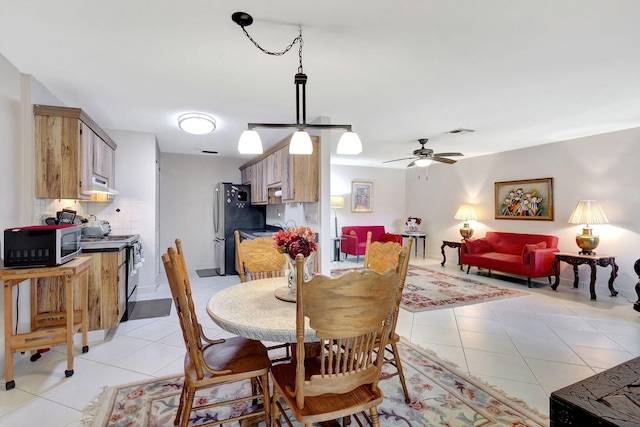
(108, 245)
(252, 234)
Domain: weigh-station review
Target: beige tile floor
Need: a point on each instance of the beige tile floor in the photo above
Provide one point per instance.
(528, 346)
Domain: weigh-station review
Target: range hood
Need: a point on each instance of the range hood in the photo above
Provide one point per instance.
(99, 186)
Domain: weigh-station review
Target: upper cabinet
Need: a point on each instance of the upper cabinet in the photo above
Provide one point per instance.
(70, 150)
(279, 177)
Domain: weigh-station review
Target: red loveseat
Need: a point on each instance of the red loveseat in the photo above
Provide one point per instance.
(354, 238)
(529, 255)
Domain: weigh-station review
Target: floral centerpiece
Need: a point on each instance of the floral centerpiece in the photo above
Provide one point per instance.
(413, 223)
(296, 240)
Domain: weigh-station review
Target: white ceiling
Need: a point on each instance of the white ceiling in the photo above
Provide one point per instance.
(520, 73)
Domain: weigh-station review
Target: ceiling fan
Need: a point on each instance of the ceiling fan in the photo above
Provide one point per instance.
(424, 154)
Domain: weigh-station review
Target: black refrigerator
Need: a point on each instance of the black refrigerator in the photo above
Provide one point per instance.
(232, 210)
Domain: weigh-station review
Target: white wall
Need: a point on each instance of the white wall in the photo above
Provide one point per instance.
(186, 203)
(388, 201)
(11, 191)
(601, 167)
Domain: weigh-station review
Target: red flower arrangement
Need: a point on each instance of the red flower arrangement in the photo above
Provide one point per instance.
(295, 240)
(417, 220)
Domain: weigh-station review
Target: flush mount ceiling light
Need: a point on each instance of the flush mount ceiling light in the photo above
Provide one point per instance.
(197, 123)
(349, 143)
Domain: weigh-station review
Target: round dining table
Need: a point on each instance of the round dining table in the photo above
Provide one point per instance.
(252, 310)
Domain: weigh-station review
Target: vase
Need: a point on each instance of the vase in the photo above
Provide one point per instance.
(291, 274)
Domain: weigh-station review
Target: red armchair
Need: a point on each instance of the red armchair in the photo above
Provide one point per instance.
(354, 238)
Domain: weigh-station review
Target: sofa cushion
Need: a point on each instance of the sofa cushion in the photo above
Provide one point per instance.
(477, 246)
(526, 250)
(390, 237)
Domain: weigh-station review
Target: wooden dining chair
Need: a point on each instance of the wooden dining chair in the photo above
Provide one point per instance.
(222, 361)
(258, 259)
(380, 257)
(348, 314)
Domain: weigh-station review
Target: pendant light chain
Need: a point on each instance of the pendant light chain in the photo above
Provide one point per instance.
(287, 49)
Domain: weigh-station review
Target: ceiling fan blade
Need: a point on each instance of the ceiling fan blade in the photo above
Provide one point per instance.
(448, 154)
(396, 160)
(442, 160)
(411, 164)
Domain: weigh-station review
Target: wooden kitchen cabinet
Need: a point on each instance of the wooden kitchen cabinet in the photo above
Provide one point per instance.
(300, 175)
(107, 289)
(259, 195)
(70, 148)
(297, 175)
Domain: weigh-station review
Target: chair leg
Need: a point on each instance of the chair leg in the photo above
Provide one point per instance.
(529, 281)
(468, 268)
(188, 405)
(183, 396)
(396, 356)
(375, 421)
(266, 401)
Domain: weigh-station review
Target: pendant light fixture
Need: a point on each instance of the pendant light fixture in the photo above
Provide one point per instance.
(349, 143)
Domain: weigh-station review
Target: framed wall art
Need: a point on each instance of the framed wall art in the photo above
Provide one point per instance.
(361, 195)
(525, 199)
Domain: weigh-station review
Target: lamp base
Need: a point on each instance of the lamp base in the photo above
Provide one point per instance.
(587, 241)
(466, 232)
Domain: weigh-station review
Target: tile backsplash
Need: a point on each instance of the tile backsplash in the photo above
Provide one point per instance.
(123, 215)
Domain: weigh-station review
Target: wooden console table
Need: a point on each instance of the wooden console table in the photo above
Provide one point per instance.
(50, 326)
(592, 260)
(451, 244)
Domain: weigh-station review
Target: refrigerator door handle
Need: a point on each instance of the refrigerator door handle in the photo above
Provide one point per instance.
(216, 213)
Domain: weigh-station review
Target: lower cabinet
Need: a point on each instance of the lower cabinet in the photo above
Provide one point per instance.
(107, 289)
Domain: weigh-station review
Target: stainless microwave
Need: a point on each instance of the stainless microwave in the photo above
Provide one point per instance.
(41, 245)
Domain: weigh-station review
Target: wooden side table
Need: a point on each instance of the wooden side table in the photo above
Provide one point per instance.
(47, 328)
(592, 260)
(451, 244)
(416, 235)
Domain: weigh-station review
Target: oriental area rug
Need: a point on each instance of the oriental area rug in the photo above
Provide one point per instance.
(441, 395)
(427, 289)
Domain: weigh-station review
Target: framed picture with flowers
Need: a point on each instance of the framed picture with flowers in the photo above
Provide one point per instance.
(361, 192)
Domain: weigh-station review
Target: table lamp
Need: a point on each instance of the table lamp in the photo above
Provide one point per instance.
(588, 212)
(466, 213)
(337, 202)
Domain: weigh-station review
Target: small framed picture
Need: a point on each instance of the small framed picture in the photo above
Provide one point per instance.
(525, 199)
(361, 196)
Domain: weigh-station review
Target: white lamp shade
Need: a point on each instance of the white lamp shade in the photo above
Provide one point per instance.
(250, 143)
(349, 143)
(465, 212)
(300, 143)
(337, 202)
(197, 123)
(588, 212)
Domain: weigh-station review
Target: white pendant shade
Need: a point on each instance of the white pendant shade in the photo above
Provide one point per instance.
(349, 143)
(300, 143)
(197, 123)
(250, 142)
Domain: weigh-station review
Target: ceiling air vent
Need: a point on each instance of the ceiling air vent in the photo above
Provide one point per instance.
(461, 130)
(209, 152)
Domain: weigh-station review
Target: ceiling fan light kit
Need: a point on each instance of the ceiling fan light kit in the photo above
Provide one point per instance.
(425, 156)
(350, 146)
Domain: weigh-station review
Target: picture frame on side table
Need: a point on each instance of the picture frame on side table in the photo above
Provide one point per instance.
(361, 196)
(530, 199)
